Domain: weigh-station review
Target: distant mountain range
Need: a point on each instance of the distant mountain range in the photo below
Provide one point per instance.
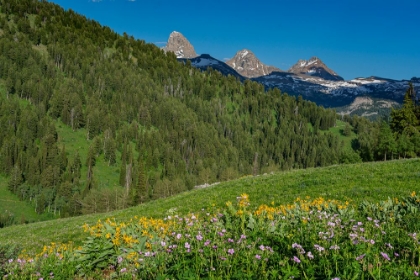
(312, 79)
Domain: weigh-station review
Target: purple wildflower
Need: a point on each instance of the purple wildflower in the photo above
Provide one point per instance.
(178, 236)
(199, 237)
(120, 259)
(319, 248)
(123, 270)
(231, 251)
(295, 259)
(298, 248)
(187, 245)
(334, 247)
(309, 254)
(331, 224)
(258, 257)
(360, 257)
(385, 256)
(416, 273)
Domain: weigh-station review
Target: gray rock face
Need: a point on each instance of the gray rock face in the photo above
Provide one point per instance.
(179, 45)
(314, 67)
(248, 65)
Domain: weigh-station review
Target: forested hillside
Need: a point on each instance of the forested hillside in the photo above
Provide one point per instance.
(163, 125)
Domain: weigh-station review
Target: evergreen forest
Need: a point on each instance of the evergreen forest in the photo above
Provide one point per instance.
(161, 126)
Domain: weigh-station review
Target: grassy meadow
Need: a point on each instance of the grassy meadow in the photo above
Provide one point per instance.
(357, 182)
(355, 221)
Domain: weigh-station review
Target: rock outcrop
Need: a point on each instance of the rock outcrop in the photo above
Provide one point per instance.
(248, 65)
(179, 45)
(314, 67)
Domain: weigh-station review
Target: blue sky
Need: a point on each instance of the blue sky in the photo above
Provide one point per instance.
(355, 38)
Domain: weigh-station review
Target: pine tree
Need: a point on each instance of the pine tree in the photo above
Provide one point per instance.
(347, 130)
(123, 170)
(404, 146)
(15, 180)
(386, 144)
(91, 157)
(141, 193)
(405, 118)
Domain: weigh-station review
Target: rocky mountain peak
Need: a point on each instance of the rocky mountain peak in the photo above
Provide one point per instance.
(248, 65)
(314, 67)
(179, 45)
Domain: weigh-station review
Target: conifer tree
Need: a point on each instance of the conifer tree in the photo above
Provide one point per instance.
(141, 190)
(386, 144)
(15, 179)
(405, 118)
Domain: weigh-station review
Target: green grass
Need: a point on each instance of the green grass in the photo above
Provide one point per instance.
(357, 182)
(22, 211)
(340, 125)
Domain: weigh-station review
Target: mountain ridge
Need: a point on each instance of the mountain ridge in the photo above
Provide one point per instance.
(313, 80)
(248, 65)
(314, 67)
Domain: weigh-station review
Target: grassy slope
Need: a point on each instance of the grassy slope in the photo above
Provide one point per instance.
(76, 141)
(371, 181)
(10, 203)
(340, 125)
